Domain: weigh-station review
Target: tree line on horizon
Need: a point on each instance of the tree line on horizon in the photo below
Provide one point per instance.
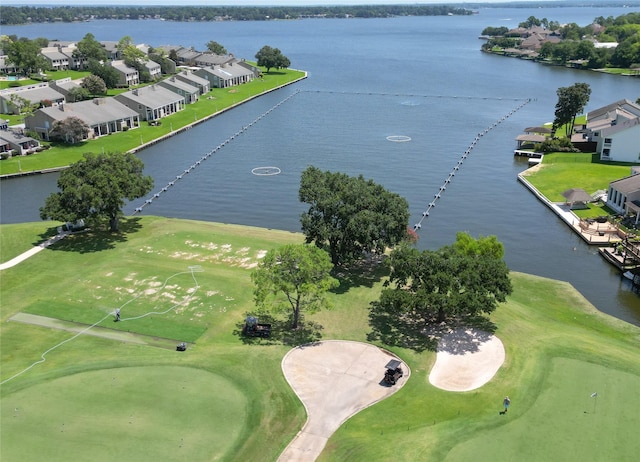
(578, 43)
(30, 14)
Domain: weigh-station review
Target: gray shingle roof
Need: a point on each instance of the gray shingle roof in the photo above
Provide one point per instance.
(93, 112)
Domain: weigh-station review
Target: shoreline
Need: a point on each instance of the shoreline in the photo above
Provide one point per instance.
(135, 150)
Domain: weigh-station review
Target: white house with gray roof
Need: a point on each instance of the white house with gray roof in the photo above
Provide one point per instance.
(187, 91)
(189, 77)
(19, 142)
(211, 59)
(127, 76)
(225, 76)
(152, 102)
(103, 116)
(624, 194)
(39, 94)
(615, 129)
(58, 60)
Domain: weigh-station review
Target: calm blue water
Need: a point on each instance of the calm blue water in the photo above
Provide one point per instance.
(424, 78)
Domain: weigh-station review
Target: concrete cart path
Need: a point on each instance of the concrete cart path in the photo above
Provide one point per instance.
(334, 380)
(32, 251)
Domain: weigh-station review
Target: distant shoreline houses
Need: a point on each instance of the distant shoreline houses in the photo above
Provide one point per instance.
(201, 72)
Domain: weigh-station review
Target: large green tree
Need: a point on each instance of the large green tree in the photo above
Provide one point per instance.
(69, 130)
(350, 216)
(571, 102)
(457, 282)
(25, 54)
(90, 48)
(94, 85)
(272, 58)
(294, 278)
(95, 188)
(215, 47)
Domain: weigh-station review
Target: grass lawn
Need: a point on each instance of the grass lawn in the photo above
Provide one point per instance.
(562, 171)
(131, 413)
(217, 100)
(236, 405)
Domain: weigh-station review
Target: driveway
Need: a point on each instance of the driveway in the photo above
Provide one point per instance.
(334, 380)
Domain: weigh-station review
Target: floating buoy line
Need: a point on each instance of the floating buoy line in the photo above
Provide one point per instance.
(180, 176)
(464, 156)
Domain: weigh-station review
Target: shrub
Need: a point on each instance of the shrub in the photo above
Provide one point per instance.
(556, 145)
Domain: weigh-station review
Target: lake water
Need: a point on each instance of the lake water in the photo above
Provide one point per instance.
(422, 78)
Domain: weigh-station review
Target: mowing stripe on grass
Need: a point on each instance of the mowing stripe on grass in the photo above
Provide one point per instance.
(192, 270)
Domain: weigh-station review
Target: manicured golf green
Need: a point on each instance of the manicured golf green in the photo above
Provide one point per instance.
(559, 351)
(131, 413)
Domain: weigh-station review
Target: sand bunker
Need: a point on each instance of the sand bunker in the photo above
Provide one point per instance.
(466, 360)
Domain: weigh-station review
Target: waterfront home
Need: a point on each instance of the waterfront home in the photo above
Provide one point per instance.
(189, 77)
(103, 116)
(211, 59)
(187, 91)
(18, 142)
(226, 76)
(127, 76)
(615, 129)
(624, 195)
(39, 94)
(152, 102)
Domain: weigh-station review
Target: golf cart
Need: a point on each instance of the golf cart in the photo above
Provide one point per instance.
(252, 328)
(394, 372)
(181, 346)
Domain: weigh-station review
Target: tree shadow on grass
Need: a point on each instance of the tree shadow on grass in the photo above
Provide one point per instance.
(362, 273)
(281, 331)
(98, 240)
(419, 335)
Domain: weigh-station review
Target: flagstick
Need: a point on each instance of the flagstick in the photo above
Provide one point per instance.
(595, 402)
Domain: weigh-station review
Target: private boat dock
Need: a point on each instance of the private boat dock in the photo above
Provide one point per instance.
(535, 158)
(613, 242)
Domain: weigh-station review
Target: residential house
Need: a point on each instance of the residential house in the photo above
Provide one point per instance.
(189, 77)
(113, 53)
(186, 90)
(18, 142)
(615, 129)
(6, 66)
(228, 75)
(211, 59)
(58, 61)
(624, 195)
(41, 94)
(128, 76)
(187, 56)
(155, 70)
(64, 85)
(103, 116)
(5, 149)
(152, 102)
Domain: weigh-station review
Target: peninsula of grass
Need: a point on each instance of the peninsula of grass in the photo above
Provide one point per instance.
(225, 398)
(216, 101)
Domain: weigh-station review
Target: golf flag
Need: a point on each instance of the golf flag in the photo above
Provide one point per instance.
(594, 395)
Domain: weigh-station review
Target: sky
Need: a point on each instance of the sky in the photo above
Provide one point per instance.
(246, 2)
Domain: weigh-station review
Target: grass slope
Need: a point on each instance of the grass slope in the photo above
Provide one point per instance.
(559, 351)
